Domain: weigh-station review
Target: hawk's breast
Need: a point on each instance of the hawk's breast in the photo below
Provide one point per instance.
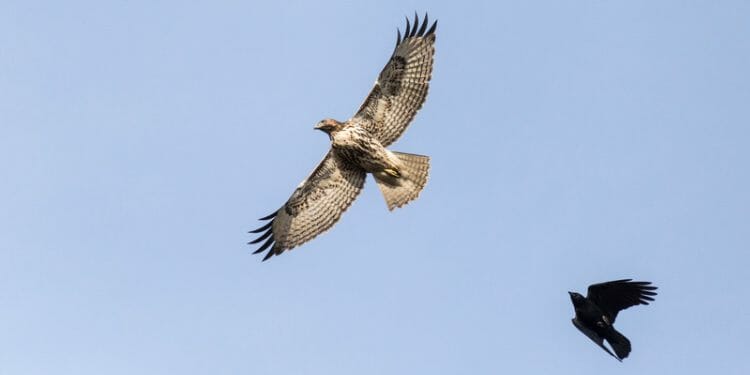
(357, 146)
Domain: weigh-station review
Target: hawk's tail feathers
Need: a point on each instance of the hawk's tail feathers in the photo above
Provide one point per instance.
(401, 190)
(619, 343)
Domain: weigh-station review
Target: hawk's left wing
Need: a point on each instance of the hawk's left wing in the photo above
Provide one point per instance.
(401, 88)
(313, 208)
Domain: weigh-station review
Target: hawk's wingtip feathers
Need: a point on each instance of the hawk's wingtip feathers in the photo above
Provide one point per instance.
(424, 25)
(407, 31)
(261, 238)
(398, 94)
(416, 30)
(432, 28)
(268, 225)
(416, 23)
(269, 255)
(268, 235)
(269, 217)
(265, 246)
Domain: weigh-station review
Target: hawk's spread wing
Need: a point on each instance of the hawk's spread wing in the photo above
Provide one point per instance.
(402, 86)
(617, 295)
(313, 208)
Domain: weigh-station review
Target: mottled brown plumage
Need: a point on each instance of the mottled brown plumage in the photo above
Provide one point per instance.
(358, 147)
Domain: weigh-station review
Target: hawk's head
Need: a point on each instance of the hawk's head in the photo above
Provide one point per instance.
(329, 125)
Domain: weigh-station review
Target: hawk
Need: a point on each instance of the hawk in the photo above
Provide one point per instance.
(358, 147)
(596, 313)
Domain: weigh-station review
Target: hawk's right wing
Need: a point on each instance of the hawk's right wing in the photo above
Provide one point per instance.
(314, 207)
(402, 85)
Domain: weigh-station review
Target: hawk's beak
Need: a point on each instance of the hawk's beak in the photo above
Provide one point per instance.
(324, 127)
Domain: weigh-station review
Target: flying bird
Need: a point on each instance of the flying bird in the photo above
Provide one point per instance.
(358, 147)
(596, 313)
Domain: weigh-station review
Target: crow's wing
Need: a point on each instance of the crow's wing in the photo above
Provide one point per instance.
(402, 85)
(314, 207)
(594, 337)
(617, 295)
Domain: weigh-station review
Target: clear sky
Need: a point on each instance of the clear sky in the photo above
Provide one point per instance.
(572, 142)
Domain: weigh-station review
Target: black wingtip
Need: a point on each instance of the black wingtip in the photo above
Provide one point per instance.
(416, 29)
(432, 29)
(261, 238)
(265, 246)
(416, 24)
(424, 25)
(269, 217)
(268, 256)
(268, 225)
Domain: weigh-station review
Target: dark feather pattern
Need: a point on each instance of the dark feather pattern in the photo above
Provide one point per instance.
(410, 32)
(265, 246)
(401, 87)
(268, 225)
(269, 217)
(424, 24)
(319, 201)
(261, 238)
(313, 207)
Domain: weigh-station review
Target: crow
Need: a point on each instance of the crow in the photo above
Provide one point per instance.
(596, 312)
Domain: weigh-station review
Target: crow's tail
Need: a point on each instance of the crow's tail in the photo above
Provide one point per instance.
(619, 343)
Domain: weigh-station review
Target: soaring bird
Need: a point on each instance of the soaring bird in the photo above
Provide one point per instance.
(596, 313)
(358, 147)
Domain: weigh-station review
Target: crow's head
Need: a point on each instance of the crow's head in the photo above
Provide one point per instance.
(577, 299)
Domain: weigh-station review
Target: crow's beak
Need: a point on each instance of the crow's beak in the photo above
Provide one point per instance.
(570, 294)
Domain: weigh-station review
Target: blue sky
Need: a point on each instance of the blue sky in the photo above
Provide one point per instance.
(571, 143)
